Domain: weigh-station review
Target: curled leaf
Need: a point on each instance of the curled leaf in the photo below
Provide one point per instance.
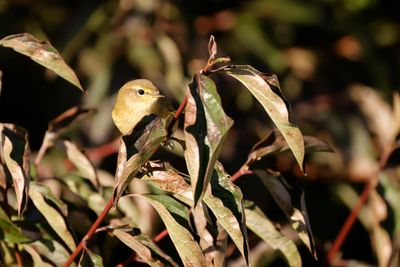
(43, 53)
(15, 153)
(136, 149)
(266, 90)
(225, 201)
(206, 126)
(293, 208)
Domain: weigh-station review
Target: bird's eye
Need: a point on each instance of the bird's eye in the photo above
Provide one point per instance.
(140, 92)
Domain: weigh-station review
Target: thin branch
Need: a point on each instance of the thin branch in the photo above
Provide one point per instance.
(91, 231)
(348, 224)
(18, 257)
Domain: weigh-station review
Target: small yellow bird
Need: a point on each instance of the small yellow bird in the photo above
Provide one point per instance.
(135, 100)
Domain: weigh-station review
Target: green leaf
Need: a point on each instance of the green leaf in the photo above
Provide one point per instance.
(297, 216)
(53, 217)
(261, 86)
(136, 149)
(15, 153)
(145, 248)
(43, 53)
(257, 222)
(206, 126)
(81, 162)
(174, 215)
(9, 232)
(89, 258)
(225, 201)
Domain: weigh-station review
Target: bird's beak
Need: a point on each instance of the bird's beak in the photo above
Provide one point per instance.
(157, 95)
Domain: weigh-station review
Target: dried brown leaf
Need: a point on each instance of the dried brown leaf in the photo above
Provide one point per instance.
(15, 153)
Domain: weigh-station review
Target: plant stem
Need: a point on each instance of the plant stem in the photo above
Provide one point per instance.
(18, 256)
(91, 231)
(348, 224)
(344, 231)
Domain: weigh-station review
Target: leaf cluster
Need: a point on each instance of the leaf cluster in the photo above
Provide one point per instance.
(200, 210)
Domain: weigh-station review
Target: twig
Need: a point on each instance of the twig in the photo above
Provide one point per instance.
(91, 231)
(348, 224)
(18, 257)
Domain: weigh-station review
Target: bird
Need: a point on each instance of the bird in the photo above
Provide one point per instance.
(137, 99)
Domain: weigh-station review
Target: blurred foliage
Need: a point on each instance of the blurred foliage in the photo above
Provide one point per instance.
(337, 62)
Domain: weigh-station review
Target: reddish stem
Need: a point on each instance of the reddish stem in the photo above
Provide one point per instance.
(370, 185)
(103, 151)
(160, 236)
(18, 257)
(349, 222)
(91, 231)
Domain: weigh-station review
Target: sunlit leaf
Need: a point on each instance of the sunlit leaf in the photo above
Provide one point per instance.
(36, 258)
(273, 103)
(206, 232)
(225, 201)
(15, 153)
(52, 250)
(293, 208)
(43, 53)
(53, 217)
(164, 177)
(174, 215)
(50, 196)
(81, 162)
(206, 126)
(257, 222)
(145, 248)
(3, 177)
(213, 59)
(9, 232)
(136, 149)
(212, 48)
(274, 142)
